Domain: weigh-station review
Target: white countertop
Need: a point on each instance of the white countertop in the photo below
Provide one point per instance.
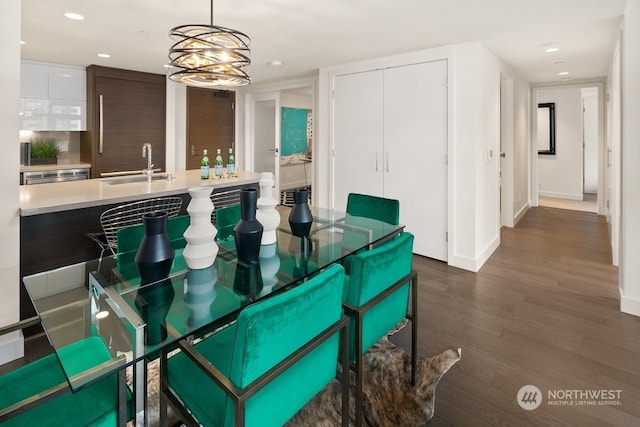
(62, 196)
(58, 166)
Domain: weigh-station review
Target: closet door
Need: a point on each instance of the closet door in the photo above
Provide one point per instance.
(415, 149)
(357, 135)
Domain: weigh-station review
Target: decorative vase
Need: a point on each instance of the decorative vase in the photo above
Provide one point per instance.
(248, 231)
(153, 303)
(300, 218)
(267, 214)
(200, 294)
(201, 248)
(155, 254)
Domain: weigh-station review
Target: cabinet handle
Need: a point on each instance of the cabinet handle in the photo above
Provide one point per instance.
(376, 160)
(387, 160)
(101, 135)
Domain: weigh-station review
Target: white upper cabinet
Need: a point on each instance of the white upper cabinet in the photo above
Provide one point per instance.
(52, 97)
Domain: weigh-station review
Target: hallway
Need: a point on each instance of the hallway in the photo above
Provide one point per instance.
(544, 310)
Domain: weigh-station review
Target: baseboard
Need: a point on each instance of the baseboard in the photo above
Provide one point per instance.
(484, 256)
(11, 347)
(560, 195)
(464, 263)
(521, 213)
(629, 305)
(471, 264)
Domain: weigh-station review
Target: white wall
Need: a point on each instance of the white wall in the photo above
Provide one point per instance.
(590, 127)
(474, 81)
(630, 227)
(11, 345)
(560, 175)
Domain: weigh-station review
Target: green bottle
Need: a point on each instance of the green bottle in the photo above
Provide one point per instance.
(217, 164)
(231, 163)
(204, 165)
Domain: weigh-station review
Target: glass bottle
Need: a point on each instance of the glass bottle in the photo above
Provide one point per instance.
(217, 164)
(204, 165)
(231, 163)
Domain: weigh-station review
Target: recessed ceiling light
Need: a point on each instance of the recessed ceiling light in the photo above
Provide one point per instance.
(563, 73)
(143, 33)
(23, 42)
(559, 62)
(104, 55)
(275, 63)
(551, 49)
(74, 16)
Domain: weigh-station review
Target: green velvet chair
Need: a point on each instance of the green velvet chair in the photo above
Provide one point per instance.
(263, 368)
(38, 394)
(360, 208)
(376, 298)
(380, 208)
(226, 217)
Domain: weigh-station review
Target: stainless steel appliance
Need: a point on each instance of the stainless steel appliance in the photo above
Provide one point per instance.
(60, 175)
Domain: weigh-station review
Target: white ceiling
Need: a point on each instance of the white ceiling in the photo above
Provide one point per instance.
(308, 34)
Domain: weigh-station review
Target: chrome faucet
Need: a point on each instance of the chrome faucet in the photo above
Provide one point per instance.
(149, 171)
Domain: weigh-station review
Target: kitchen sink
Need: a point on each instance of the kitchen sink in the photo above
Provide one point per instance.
(133, 179)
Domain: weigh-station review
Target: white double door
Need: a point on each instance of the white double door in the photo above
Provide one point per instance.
(390, 140)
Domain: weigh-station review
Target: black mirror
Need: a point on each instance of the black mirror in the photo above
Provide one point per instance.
(547, 128)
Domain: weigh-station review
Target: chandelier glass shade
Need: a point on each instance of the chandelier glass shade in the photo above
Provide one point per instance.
(208, 55)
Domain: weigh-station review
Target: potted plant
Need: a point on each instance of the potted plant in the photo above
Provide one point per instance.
(44, 151)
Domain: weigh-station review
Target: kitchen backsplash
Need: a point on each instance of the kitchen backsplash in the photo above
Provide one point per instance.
(68, 142)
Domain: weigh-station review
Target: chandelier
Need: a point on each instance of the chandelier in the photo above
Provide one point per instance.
(208, 55)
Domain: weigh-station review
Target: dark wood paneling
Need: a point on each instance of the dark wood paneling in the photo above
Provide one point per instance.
(134, 113)
(210, 124)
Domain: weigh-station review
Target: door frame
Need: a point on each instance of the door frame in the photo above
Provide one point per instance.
(265, 92)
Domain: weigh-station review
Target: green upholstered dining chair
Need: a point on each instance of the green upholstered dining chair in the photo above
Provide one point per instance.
(263, 368)
(38, 394)
(226, 217)
(365, 206)
(374, 207)
(376, 298)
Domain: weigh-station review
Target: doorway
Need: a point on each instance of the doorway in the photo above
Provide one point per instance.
(279, 136)
(572, 176)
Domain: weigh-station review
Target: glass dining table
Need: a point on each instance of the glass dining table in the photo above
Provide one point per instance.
(104, 297)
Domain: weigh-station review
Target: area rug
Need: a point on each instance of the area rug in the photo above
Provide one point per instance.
(389, 398)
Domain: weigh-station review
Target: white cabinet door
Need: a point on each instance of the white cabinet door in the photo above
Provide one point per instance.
(357, 135)
(34, 80)
(415, 149)
(67, 82)
(52, 97)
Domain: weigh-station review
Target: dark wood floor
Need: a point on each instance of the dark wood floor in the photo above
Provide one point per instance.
(543, 310)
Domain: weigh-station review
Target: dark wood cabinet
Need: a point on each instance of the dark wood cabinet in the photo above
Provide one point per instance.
(210, 123)
(125, 109)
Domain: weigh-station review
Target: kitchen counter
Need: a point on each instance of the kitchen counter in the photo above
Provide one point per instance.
(64, 196)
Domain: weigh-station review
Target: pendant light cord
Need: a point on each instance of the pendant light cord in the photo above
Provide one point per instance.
(212, 13)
